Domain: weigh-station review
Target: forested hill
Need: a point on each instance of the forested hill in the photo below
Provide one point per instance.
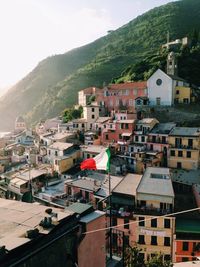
(54, 83)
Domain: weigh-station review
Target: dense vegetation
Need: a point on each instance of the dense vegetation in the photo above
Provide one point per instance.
(53, 84)
(188, 65)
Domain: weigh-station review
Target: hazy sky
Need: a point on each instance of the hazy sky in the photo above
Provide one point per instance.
(31, 30)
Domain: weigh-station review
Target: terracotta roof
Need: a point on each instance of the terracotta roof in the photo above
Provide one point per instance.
(90, 90)
(131, 85)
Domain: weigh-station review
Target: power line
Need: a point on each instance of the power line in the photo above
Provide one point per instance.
(148, 219)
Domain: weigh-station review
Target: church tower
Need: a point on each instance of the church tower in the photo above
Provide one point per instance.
(172, 66)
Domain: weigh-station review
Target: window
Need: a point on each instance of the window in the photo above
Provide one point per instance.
(159, 82)
(185, 246)
(167, 223)
(56, 162)
(190, 143)
(185, 100)
(92, 109)
(141, 239)
(179, 165)
(158, 100)
(88, 156)
(167, 257)
(180, 154)
(93, 116)
(164, 139)
(126, 240)
(178, 142)
(167, 241)
(172, 153)
(136, 138)
(83, 125)
(130, 102)
(126, 125)
(114, 221)
(56, 153)
(185, 259)
(120, 136)
(141, 257)
(142, 223)
(188, 154)
(106, 136)
(154, 240)
(143, 138)
(177, 92)
(154, 223)
(126, 226)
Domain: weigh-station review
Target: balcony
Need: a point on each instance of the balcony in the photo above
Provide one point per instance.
(178, 146)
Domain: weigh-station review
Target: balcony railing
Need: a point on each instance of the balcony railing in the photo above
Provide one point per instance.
(183, 147)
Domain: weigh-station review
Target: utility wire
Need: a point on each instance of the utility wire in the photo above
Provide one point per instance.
(134, 222)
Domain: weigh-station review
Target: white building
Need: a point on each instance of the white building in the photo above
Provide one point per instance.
(162, 88)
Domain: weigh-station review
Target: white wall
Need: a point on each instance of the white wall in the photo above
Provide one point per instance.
(164, 91)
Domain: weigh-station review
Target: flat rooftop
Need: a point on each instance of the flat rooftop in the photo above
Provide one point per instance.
(187, 177)
(92, 149)
(156, 181)
(163, 128)
(18, 217)
(60, 145)
(128, 185)
(185, 131)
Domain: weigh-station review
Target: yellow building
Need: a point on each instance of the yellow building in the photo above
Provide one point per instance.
(155, 197)
(142, 202)
(184, 145)
(183, 95)
(63, 156)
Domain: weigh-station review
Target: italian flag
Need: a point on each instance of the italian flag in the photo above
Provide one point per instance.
(100, 162)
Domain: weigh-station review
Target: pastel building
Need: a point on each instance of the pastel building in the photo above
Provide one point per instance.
(184, 148)
(121, 96)
(142, 201)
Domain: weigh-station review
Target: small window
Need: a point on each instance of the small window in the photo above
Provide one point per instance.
(167, 223)
(180, 153)
(167, 257)
(56, 153)
(167, 241)
(188, 154)
(136, 138)
(126, 226)
(172, 153)
(141, 221)
(120, 136)
(143, 138)
(185, 259)
(141, 239)
(106, 136)
(185, 246)
(190, 143)
(93, 116)
(179, 165)
(154, 240)
(92, 109)
(154, 223)
(177, 92)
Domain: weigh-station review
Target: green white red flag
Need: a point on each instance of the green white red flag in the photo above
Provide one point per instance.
(100, 162)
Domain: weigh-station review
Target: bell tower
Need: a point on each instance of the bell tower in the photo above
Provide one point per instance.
(172, 66)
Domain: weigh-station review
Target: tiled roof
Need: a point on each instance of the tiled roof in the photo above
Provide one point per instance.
(131, 85)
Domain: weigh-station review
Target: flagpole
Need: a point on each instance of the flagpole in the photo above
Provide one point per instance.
(110, 204)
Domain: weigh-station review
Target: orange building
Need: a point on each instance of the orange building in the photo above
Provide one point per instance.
(187, 239)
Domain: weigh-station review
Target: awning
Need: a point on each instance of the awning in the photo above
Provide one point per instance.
(127, 134)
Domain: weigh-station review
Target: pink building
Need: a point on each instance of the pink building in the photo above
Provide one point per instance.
(121, 96)
(118, 132)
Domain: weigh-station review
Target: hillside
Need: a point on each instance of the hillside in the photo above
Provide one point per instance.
(54, 83)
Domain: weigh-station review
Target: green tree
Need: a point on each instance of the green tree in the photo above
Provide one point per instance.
(133, 258)
(157, 261)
